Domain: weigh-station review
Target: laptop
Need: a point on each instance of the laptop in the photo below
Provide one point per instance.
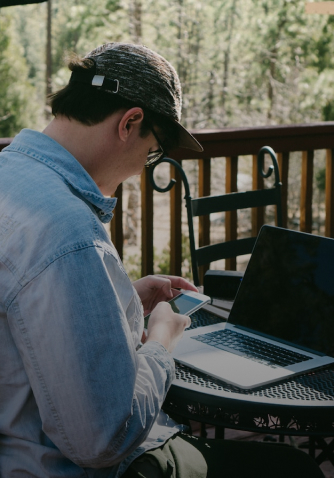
(282, 320)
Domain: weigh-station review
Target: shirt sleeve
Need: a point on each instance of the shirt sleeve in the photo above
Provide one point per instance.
(98, 397)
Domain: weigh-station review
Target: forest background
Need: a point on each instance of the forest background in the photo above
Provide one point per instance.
(241, 62)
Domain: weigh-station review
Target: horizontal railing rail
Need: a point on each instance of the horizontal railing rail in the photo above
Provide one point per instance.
(229, 144)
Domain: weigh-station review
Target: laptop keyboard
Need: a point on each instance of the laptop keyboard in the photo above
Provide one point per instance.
(252, 348)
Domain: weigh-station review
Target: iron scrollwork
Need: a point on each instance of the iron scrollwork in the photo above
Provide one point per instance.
(169, 186)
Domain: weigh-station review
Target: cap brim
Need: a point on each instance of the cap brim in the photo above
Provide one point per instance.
(186, 139)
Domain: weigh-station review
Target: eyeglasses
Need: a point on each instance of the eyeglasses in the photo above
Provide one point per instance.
(154, 156)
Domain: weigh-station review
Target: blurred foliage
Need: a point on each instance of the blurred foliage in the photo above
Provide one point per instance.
(249, 62)
(321, 179)
(132, 263)
(241, 62)
(162, 261)
(18, 105)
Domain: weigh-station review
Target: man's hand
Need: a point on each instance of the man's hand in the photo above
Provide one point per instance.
(165, 326)
(159, 288)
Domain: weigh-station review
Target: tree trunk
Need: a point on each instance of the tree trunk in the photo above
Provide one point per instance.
(48, 55)
(135, 13)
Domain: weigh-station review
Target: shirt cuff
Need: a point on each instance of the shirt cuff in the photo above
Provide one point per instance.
(158, 352)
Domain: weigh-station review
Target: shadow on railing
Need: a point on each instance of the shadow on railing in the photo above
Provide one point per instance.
(229, 144)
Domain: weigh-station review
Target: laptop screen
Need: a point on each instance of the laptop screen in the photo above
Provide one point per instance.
(287, 292)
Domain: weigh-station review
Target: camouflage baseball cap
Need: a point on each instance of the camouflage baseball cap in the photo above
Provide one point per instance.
(138, 74)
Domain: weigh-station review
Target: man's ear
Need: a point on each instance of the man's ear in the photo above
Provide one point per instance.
(129, 121)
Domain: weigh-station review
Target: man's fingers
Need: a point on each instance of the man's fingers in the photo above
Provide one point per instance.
(166, 326)
(178, 282)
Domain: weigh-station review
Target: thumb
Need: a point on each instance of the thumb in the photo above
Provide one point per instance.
(188, 321)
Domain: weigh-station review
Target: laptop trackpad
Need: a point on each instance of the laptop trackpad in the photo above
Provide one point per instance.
(230, 367)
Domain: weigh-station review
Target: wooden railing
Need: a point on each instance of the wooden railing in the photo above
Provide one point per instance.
(230, 144)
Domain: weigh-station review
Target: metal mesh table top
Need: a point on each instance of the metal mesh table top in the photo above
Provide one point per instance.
(303, 405)
(316, 386)
(313, 386)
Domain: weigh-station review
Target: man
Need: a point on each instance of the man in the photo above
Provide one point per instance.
(78, 395)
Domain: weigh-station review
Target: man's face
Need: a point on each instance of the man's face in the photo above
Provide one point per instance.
(132, 151)
(144, 149)
(154, 156)
(147, 150)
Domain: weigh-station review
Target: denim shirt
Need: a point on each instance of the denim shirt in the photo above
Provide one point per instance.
(77, 396)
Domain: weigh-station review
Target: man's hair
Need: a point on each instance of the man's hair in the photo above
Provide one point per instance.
(90, 105)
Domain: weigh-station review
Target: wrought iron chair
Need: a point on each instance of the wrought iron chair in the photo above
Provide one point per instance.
(221, 203)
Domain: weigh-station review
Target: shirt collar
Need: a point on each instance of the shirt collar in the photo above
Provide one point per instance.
(45, 149)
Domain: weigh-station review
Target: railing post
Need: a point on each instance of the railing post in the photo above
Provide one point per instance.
(329, 223)
(147, 265)
(5, 142)
(116, 224)
(283, 164)
(257, 212)
(306, 191)
(204, 189)
(175, 223)
(231, 216)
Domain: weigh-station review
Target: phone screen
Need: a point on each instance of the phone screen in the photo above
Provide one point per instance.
(181, 304)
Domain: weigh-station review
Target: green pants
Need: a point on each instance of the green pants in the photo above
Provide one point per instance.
(186, 456)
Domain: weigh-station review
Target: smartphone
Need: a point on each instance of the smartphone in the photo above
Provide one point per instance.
(185, 303)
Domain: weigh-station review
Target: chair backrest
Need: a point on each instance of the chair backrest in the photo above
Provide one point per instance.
(222, 203)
